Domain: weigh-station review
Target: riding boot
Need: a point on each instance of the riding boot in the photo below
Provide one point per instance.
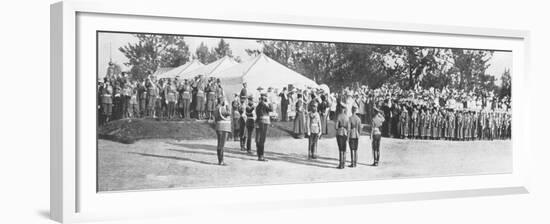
(219, 156)
(355, 158)
(343, 160)
(339, 160)
(376, 158)
(352, 158)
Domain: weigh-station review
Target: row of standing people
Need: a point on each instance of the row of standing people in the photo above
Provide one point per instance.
(414, 122)
(170, 99)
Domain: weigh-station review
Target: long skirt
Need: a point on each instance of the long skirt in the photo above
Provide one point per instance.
(299, 123)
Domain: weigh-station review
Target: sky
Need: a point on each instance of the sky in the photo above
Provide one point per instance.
(109, 43)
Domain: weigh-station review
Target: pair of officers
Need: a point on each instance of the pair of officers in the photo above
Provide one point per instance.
(260, 112)
(348, 131)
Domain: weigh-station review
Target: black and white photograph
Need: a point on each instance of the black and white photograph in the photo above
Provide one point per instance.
(191, 111)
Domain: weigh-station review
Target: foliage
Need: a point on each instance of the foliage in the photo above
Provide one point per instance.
(506, 85)
(204, 55)
(154, 51)
(338, 64)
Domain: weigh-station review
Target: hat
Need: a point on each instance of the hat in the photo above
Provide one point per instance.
(260, 88)
(250, 98)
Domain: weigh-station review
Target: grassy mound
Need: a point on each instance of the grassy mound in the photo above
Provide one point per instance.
(130, 130)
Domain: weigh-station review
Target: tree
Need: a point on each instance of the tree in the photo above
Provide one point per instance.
(154, 51)
(358, 63)
(313, 60)
(471, 65)
(204, 55)
(223, 49)
(506, 85)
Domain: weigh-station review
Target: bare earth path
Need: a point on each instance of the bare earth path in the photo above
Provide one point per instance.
(166, 163)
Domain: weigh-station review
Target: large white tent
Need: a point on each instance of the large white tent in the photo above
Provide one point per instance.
(182, 69)
(212, 68)
(161, 71)
(261, 71)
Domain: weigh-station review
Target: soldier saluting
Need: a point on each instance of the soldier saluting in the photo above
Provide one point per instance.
(262, 122)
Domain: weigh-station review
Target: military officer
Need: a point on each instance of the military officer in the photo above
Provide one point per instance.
(354, 134)
(313, 129)
(107, 102)
(342, 128)
(171, 98)
(185, 94)
(242, 123)
(223, 127)
(262, 123)
(404, 122)
(376, 135)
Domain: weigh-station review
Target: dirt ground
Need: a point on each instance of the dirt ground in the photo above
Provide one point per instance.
(167, 163)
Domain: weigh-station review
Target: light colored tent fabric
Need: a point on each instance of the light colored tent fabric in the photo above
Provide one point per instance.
(178, 71)
(161, 71)
(214, 67)
(264, 72)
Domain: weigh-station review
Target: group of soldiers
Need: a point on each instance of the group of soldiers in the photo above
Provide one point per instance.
(120, 97)
(423, 122)
(447, 114)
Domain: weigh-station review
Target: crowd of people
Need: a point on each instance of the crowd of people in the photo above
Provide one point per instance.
(120, 97)
(448, 114)
(389, 111)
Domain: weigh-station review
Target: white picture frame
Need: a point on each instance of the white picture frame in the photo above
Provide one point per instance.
(72, 197)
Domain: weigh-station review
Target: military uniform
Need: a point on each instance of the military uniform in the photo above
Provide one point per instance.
(126, 94)
(107, 103)
(185, 95)
(242, 124)
(451, 125)
(314, 131)
(152, 92)
(210, 98)
(428, 125)
(376, 137)
(223, 127)
(414, 123)
(134, 104)
(434, 125)
(262, 123)
(250, 118)
(460, 125)
(200, 104)
(404, 123)
(142, 98)
(422, 124)
(354, 134)
(342, 127)
(171, 96)
(442, 125)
